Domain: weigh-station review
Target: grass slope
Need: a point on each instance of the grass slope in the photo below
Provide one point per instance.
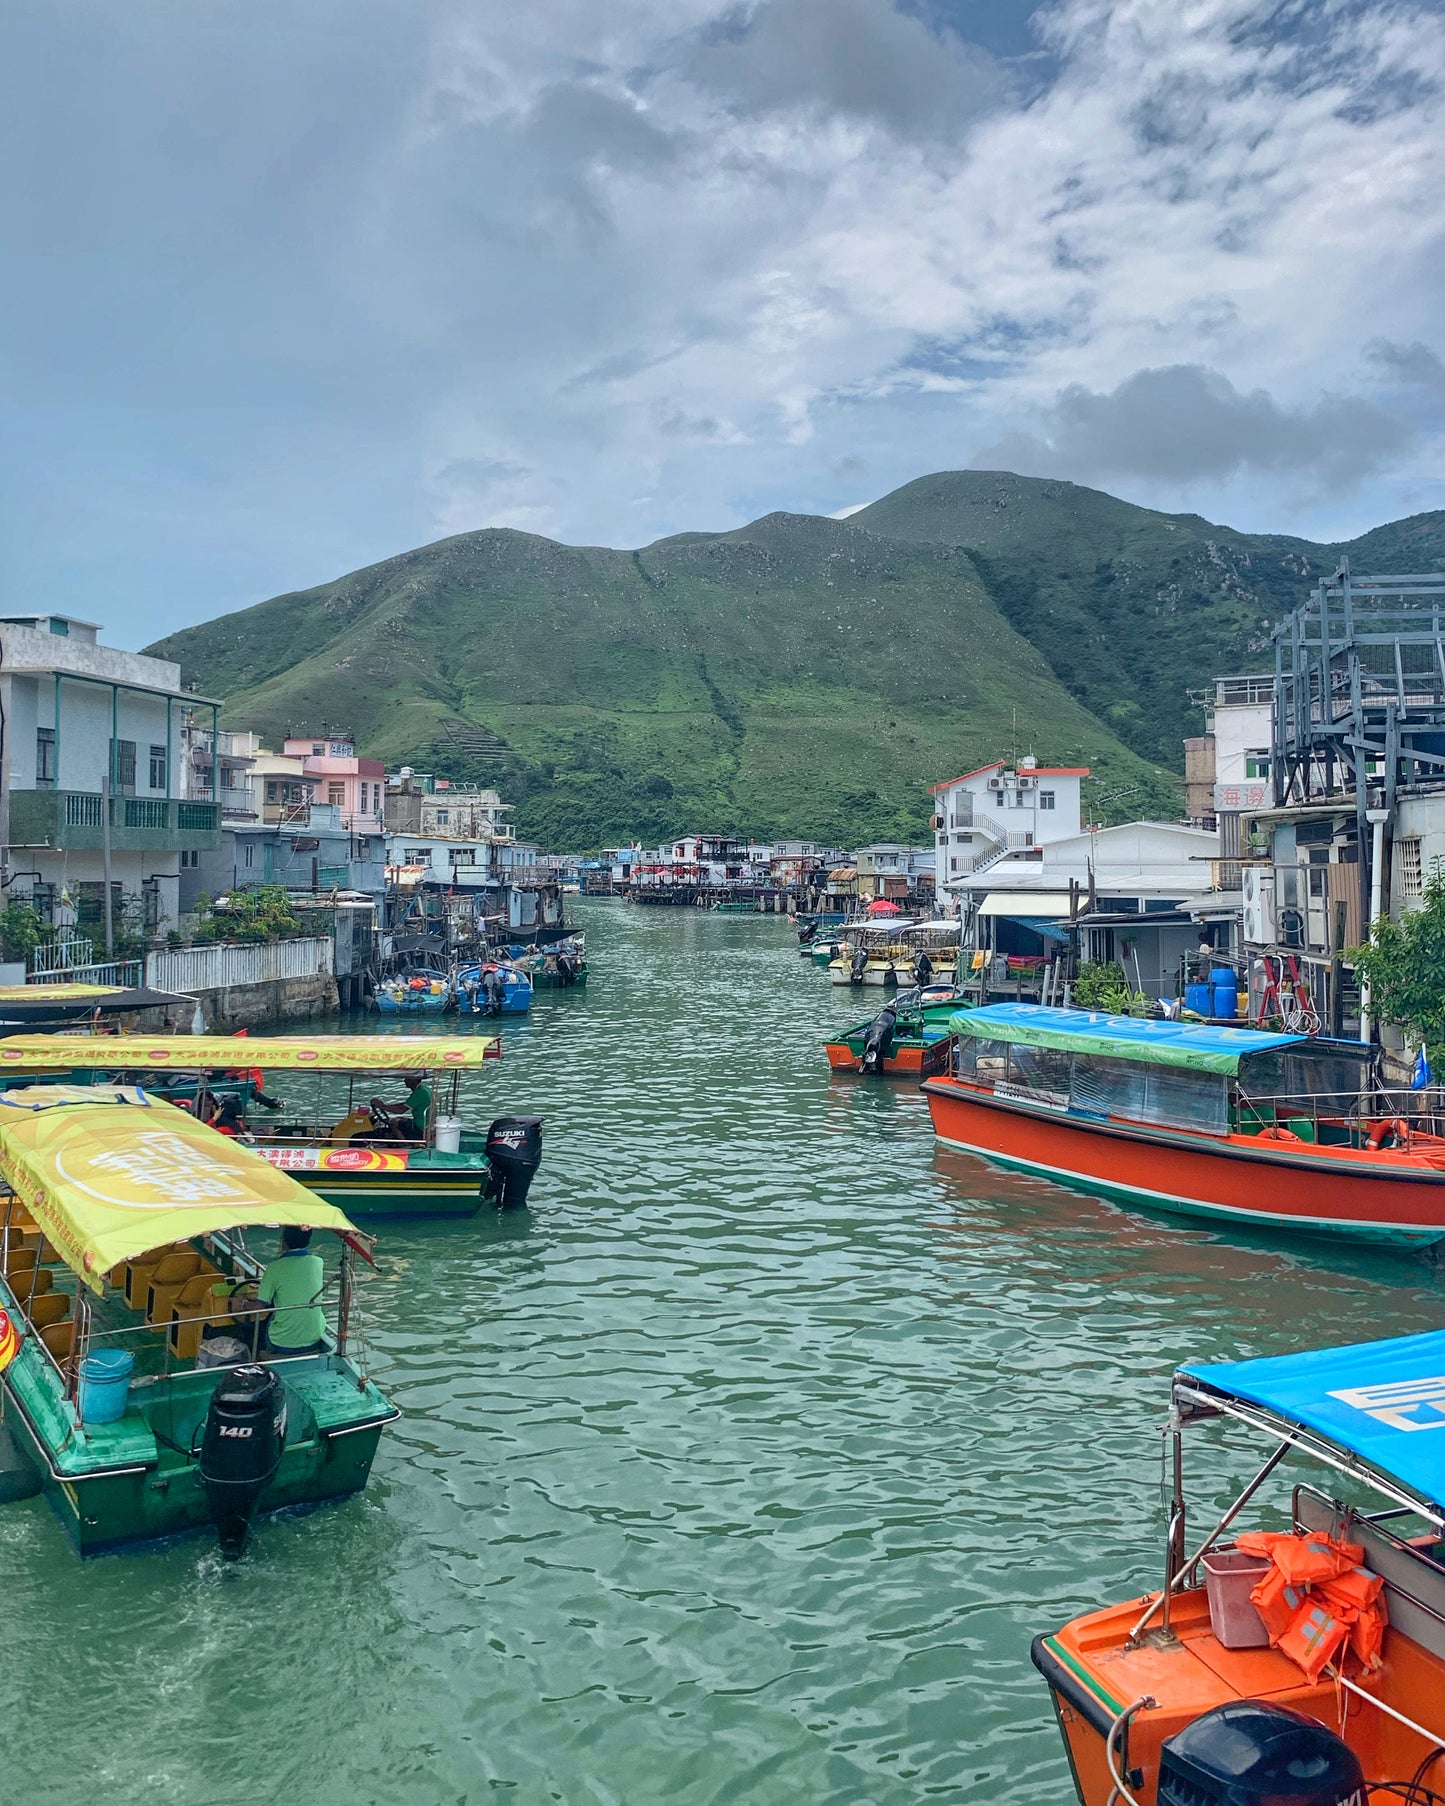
(1083, 575)
(797, 676)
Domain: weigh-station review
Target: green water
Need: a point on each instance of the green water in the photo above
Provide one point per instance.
(743, 1467)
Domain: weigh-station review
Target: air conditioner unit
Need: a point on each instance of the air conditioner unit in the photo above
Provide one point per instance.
(995, 783)
(1028, 783)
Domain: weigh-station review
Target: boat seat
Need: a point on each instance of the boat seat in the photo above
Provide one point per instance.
(166, 1282)
(138, 1274)
(56, 1337)
(193, 1308)
(48, 1308)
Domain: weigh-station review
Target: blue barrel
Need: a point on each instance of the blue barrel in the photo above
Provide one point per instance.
(105, 1385)
(1224, 975)
(1226, 999)
(1199, 999)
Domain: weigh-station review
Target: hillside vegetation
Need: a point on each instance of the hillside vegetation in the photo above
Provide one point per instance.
(796, 676)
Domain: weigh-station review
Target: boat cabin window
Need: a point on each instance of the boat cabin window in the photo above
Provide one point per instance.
(981, 1059)
(1331, 1080)
(1043, 1072)
(1171, 1096)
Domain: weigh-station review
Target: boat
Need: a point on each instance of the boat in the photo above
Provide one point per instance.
(874, 954)
(1233, 1685)
(326, 1135)
(560, 967)
(735, 909)
(1270, 1130)
(423, 991)
(493, 987)
(123, 1216)
(910, 1037)
(825, 949)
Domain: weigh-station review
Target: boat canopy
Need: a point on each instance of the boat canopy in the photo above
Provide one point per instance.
(67, 1002)
(1122, 1037)
(109, 1174)
(1372, 1398)
(193, 1053)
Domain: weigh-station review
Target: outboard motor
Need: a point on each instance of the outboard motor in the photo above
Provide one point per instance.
(856, 970)
(241, 1449)
(566, 969)
(922, 969)
(878, 1039)
(494, 987)
(514, 1152)
(1249, 1752)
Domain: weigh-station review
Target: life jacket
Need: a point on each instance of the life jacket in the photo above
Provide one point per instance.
(1389, 1132)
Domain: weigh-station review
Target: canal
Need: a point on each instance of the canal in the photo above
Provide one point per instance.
(742, 1467)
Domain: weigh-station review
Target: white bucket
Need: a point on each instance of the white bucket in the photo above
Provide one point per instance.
(449, 1135)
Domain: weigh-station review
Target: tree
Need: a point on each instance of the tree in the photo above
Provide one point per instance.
(1404, 963)
(21, 931)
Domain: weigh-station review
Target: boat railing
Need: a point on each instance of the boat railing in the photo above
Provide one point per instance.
(1362, 1112)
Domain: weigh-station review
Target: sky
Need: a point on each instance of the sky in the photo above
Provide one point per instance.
(293, 286)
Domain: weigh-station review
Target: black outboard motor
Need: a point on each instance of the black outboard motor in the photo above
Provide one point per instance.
(1247, 1751)
(566, 969)
(241, 1449)
(878, 1039)
(494, 988)
(855, 971)
(922, 969)
(514, 1152)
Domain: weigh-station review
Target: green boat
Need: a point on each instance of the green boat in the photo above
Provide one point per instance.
(127, 1275)
(914, 1045)
(371, 1164)
(736, 909)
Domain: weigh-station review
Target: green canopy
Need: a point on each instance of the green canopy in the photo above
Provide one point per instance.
(1192, 1045)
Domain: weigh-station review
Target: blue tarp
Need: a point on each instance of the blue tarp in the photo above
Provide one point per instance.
(1048, 931)
(1123, 1037)
(1381, 1400)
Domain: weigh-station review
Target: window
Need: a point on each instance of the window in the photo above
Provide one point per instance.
(42, 901)
(150, 892)
(1409, 873)
(270, 791)
(190, 861)
(998, 799)
(416, 856)
(1046, 799)
(336, 795)
(122, 754)
(250, 856)
(159, 762)
(45, 755)
(1256, 762)
(318, 749)
(340, 749)
(444, 816)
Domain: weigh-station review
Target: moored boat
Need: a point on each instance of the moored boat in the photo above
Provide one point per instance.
(420, 992)
(128, 1235)
(1271, 1130)
(1299, 1666)
(560, 967)
(874, 955)
(336, 1135)
(493, 987)
(910, 1037)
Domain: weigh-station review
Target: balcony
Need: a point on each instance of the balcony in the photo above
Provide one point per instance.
(71, 820)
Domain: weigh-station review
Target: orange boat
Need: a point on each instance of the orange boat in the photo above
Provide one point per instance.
(908, 1038)
(1237, 1686)
(1230, 1123)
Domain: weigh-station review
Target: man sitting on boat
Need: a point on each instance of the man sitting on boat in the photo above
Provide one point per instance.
(408, 1120)
(228, 1118)
(292, 1285)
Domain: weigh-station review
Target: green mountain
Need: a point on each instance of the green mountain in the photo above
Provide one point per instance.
(797, 676)
(1133, 609)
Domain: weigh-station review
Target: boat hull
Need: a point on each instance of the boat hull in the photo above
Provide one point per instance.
(907, 1061)
(1377, 1198)
(371, 1183)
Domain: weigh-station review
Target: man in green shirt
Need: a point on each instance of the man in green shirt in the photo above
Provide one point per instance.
(292, 1286)
(408, 1121)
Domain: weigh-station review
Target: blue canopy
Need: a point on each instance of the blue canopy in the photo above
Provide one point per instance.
(1123, 1037)
(1376, 1399)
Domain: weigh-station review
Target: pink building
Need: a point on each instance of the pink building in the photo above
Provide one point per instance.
(355, 786)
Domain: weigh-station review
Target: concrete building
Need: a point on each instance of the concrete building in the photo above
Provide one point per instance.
(893, 870)
(418, 803)
(93, 785)
(342, 780)
(986, 814)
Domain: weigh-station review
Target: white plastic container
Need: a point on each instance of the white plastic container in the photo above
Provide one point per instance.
(449, 1134)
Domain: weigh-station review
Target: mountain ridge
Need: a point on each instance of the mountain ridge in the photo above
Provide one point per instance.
(798, 674)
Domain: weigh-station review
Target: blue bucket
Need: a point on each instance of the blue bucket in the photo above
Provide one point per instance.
(1226, 999)
(1198, 998)
(105, 1385)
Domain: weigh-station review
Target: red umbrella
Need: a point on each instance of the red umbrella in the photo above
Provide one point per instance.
(882, 907)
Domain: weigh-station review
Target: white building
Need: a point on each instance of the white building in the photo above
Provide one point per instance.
(93, 786)
(986, 814)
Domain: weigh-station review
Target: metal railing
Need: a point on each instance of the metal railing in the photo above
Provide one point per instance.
(192, 969)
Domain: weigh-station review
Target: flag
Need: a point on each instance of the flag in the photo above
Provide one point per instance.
(1422, 1075)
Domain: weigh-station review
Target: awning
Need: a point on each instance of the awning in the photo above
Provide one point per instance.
(193, 1053)
(843, 875)
(1025, 906)
(1048, 930)
(67, 1003)
(1124, 1037)
(1371, 1398)
(110, 1174)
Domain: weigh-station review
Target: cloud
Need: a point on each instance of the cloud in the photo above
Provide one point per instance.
(1414, 366)
(1185, 424)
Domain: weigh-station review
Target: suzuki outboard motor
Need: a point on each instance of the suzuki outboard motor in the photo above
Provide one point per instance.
(855, 971)
(1247, 1751)
(514, 1152)
(878, 1039)
(241, 1450)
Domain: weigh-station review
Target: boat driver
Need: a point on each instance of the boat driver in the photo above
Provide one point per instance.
(291, 1285)
(409, 1120)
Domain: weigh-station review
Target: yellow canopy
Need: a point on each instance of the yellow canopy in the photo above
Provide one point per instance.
(55, 993)
(223, 1053)
(109, 1174)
